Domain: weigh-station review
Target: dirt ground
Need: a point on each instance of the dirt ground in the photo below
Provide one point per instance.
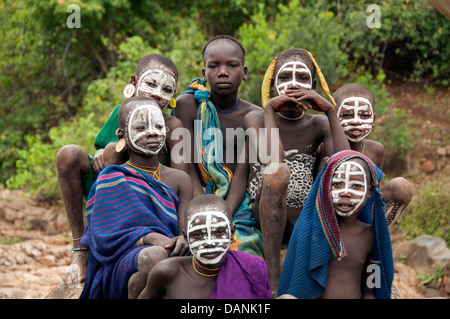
(35, 240)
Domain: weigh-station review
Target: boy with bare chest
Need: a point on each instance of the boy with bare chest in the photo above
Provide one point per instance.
(356, 113)
(212, 271)
(340, 247)
(215, 120)
(280, 180)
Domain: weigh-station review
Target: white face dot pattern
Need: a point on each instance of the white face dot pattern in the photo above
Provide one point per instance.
(146, 120)
(208, 235)
(348, 188)
(156, 82)
(356, 118)
(293, 70)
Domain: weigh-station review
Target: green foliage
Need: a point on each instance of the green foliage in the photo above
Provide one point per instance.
(412, 41)
(294, 25)
(36, 165)
(60, 84)
(429, 211)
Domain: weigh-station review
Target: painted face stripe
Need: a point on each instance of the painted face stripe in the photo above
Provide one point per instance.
(294, 67)
(344, 172)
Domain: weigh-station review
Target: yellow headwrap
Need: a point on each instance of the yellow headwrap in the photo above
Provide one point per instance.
(265, 88)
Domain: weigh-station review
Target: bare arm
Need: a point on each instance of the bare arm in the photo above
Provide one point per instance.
(279, 103)
(186, 111)
(177, 159)
(318, 103)
(157, 280)
(238, 185)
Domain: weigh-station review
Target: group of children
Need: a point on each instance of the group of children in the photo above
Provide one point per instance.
(210, 221)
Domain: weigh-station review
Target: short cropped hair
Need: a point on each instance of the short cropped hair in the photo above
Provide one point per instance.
(148, 59)
(223, 37)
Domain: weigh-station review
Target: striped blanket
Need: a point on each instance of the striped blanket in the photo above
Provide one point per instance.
(216, 176)
(316, 240)
(124, 204)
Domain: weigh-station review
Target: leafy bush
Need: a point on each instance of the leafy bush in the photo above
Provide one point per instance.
(429, 211)
(294, 25)
(36, 164)
(411, 43)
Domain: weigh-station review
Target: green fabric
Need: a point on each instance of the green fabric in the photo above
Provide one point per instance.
(87, 180)
(106, 135)
(108, 132)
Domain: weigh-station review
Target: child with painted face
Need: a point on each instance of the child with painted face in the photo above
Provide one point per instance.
(356, 113)
(340, 247)
(213, 271)
(280, 182)
(135, 211)
(77, 171)
(156, 77)
(219, 162)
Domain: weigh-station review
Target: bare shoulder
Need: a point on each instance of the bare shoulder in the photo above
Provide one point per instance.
(375, 151)
(182, 176)
(375, 146)
(167, 268)
(250, 107)
(172, 121)
(254, 118)
(186, 108)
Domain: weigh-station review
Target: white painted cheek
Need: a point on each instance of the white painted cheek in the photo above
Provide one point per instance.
(210, 243)
(344, 172)
(293, 67)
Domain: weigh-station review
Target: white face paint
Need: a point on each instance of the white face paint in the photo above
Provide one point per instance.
(157, 83)
(356, 117)
(209, 236)
(146, 129)
(293, 74)
(348, 188)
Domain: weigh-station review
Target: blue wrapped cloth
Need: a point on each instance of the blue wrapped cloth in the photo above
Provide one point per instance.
(316, 240)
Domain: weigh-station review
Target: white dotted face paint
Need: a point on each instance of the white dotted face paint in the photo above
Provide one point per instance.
(293, 74)
(156, 82)
(146, 129)
(356, 117)
(348, 188)
(209, 236)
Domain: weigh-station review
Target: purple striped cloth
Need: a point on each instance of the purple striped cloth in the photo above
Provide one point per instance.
(124, 204)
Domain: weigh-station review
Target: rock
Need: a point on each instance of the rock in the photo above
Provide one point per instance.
(437, 247)
(428, 167)
(63, 292)
(413, 256)
(406, 282)
(428, 256)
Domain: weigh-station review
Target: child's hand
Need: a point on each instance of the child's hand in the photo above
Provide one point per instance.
(177, 246)
(97, 162)
(285, 103)
(311, 97)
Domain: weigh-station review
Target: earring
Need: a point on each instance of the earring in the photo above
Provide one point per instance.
(172, 104)
(120, 146)
(129, 90)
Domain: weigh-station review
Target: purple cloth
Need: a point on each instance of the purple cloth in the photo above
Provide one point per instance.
(242, 276)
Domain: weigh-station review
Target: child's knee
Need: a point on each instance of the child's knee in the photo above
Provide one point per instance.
(70, 156)
(398, 190)
(276, 176)
(150, 256)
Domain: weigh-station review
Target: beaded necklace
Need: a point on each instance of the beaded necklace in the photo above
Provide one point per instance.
(194, 262)
(156, 171)
(226, 112)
